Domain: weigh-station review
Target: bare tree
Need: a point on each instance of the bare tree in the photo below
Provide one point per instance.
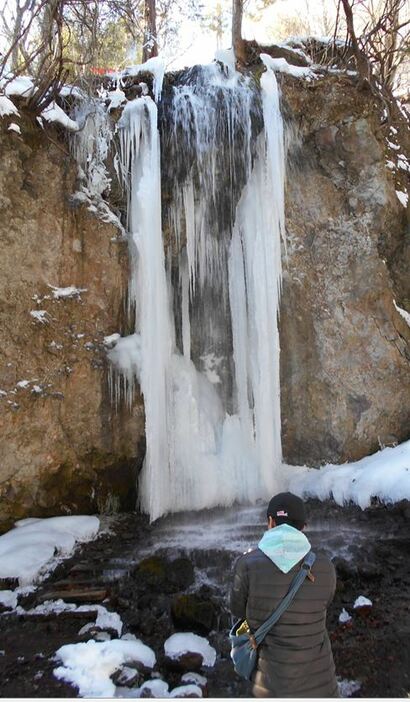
(237, 40)
(150, 46)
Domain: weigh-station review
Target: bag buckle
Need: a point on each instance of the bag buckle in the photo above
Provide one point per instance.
(253, 642)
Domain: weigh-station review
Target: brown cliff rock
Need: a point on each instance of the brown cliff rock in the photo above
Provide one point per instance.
(64, 447)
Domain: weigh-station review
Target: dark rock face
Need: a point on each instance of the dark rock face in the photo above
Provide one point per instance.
(158, 574)
(192, 612)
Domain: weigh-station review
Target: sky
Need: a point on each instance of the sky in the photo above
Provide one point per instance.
(197, 45)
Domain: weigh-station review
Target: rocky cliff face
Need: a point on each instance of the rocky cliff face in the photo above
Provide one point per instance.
(63, 446)
(345, 378)
(344, 345)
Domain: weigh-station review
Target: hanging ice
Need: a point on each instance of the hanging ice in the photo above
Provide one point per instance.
(206, 346)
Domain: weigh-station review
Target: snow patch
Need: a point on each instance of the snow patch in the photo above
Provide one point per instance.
(41, 316)
(194, 678)
(89, 665)
(362, 602)
(64, 293)
(7, 107)
(186, 691)
(21, 86)
(347, 688)
(281, 65)
(13, 127)
(402, 197)
(8, 598)
(384, 475)
(403, 313)
(29, 551)
(54, 113)
(344, 617)
(179, 644)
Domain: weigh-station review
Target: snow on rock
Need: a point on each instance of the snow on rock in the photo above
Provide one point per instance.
(347, 688)
(384, 475)
(403, 313)
(155, 66)
(41, 316)
(116, 98)
(402, 197)
(13, 127)
(54, 113)
(186, 691)
(28, 551)
(111, 340)
(104, 619)
(7, 107)
(8, 598)
(281, 65)
(155, 688)
(194, 678)
(179, 644)
(89, 665)
(64, 293)
(362, 602)
(344, 617)
(21, 86)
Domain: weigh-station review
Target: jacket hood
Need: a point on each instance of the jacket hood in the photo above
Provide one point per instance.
(285, 546)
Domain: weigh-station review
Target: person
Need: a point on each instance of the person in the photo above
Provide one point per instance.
(295, 659)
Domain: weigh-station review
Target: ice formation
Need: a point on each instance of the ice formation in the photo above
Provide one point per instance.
(212, 438)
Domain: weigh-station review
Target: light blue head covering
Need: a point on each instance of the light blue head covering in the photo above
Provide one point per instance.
(285, 546)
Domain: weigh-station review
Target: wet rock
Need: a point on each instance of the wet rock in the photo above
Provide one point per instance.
(158, 574)
(184, 663)
(193, 613)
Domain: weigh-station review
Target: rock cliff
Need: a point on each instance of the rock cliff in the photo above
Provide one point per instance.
(64, 448)
(345, 379)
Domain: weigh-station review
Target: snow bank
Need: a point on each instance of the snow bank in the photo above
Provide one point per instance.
(89, 665)
(7, 107)
(28, 551)
(281, 65)
(179, 644)
(384, 475)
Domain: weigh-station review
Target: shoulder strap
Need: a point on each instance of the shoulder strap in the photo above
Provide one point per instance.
(284, 604)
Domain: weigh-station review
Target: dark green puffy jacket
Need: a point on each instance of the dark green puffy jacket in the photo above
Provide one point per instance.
(295, 659)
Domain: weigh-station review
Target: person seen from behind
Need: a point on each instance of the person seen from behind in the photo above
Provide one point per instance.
(295, 659)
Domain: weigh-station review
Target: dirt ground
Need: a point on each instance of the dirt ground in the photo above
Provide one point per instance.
(373, 649)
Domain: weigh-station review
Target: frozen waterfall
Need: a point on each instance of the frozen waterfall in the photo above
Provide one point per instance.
(206, 347)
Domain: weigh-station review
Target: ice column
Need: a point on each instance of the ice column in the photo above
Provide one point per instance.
(140, 159)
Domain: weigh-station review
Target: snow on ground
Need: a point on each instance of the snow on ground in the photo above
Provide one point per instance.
(384, 475)
(179, 644)
(89, 665)
(362, 602)
(7, 107)
(347, 688)
(32, 548)
(344, 617)
(104, 619)
(186, 691)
